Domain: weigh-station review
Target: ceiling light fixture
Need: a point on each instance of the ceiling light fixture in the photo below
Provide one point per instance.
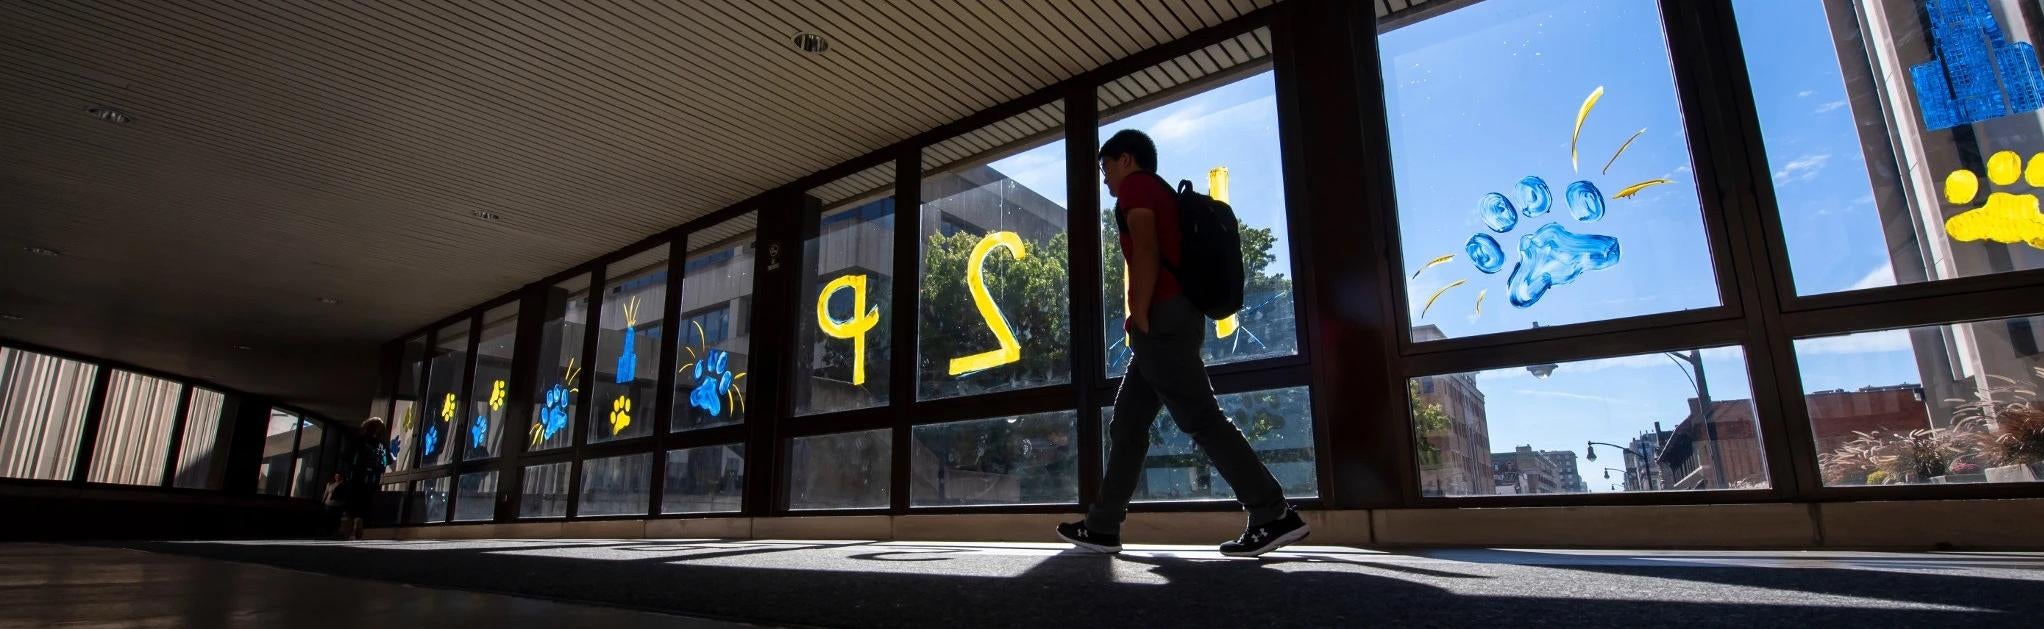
(811, 43)
(329, 301)
(243, 347)
(9, 316)
(44, 251)
(109, 114)
(486, 215)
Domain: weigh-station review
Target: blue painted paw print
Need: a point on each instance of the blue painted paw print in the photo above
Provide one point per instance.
(553, 414)
(713, 379)
(478, 430)
(1551, 255)
(432, 440)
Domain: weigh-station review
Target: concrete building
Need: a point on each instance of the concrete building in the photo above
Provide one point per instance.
(1461, 449)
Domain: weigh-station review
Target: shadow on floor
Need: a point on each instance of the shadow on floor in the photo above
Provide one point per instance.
(861, 584)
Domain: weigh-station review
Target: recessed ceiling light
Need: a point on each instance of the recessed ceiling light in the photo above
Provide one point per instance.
(486, 215)
(811, 43)
(9, 316)
(243, 347)
(329, 301)
(109, 114)
(44, 251)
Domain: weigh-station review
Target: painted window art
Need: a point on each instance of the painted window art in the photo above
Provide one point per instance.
(844, 352)
(628, 345)
(1542, 168)
(713, 336)
(558, 382)
(488, 399)
(1975, 73)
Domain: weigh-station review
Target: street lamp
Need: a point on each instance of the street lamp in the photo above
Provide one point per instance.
(1694, 358)
(1646, 463)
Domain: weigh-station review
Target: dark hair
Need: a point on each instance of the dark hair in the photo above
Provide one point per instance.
(1131, 142)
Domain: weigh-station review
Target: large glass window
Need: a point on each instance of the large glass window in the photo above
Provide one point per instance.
(618, 485)
(428, 502)
(404, 419)
(714, 335)
(42, 411)
(994, 296)
(489, 400)
(1903, 137)
(443, 394)
(311, 452)
(709, 479)
(1532, 142)
(848, 271)
(134, 429)
(198, 465)
(1030, 459)
(1225, 141)
(546, 491)
(1278, 424)
(1935, 404)
(1662, 421)
(476, 498)
(628, 346)
(841, 471)
(558, 385)
(280, 442)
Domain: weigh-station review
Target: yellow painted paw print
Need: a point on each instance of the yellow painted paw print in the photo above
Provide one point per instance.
(497, 396)
(2006, 218)
(620, 414)
(447, 408)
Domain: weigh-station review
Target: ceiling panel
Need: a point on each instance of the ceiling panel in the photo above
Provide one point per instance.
(284, 151)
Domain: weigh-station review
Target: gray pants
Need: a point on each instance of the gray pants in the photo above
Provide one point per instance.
(1167, 372)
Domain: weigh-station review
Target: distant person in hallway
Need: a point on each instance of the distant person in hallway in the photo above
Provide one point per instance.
(335, 499)
(1165, 334)
(365, 476)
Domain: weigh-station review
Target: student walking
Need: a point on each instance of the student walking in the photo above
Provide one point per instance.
(1166, 330)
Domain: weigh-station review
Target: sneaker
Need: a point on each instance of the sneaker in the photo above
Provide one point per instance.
(1264, 538)
(1078, 535)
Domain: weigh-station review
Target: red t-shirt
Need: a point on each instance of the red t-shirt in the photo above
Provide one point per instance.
(1147, 190)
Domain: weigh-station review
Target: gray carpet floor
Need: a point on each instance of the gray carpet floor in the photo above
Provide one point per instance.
(897, 584)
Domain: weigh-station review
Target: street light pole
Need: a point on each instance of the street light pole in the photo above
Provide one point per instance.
(1590, 452)
(1703, 410)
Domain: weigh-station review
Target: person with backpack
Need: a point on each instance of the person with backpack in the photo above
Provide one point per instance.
(1184, 262)
(365, 476)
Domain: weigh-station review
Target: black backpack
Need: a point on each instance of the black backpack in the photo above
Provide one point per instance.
(1209, 252)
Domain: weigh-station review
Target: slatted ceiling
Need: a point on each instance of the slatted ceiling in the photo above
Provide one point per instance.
(721, 235)
(873, 182)
(993, 141)
(284, 151)
(1387, 8)
(1248, 48)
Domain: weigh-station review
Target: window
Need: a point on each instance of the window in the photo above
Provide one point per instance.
(713, 346)
(443, 395)
(311, 442)
(134, 429)
(42, 412)
(1030, 459)
(404, 417)
(489, 401)
(1935, 404)
(546, 491)
(1678, 420)
(1278, 425)
(841, 471)
(389, 502)
(1898, 136)
(628, 346)
(1225, 141)
(558, 385)
(993, 297)
(709, 479)
(428, 502)
(618, 485)
(1490, 199)
(477, 498)
(198, 466)
(279, 444)
(845, 345)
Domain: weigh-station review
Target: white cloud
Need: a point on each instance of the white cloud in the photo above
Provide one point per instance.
(1193, 119)
(1571, 396)
(1862, 343)
(1802, 169)
(1882, 275)
(1866, 199)
(1805, 93)
(1831, 106)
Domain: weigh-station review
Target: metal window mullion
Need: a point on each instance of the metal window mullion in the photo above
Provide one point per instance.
(663, 396)
(585, 412)
(907, 295)
(88, 433)
(177, 435)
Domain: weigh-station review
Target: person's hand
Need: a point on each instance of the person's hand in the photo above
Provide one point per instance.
(1141, 322)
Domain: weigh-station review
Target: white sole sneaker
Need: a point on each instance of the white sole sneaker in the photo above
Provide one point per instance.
(1280, 542)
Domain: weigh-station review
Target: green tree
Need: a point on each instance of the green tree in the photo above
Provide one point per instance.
(1032, 295)
(1427, 418)
(1267, 299)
